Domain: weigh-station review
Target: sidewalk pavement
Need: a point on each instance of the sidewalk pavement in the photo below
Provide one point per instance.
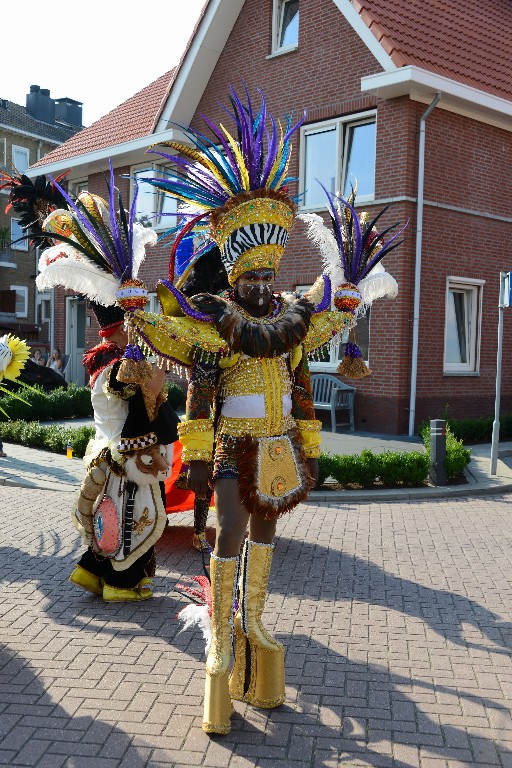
(31, 468)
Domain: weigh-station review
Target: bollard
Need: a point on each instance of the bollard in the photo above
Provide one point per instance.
(437, 474)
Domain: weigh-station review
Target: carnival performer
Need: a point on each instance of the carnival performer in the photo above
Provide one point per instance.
(249, 405)
(120, 511)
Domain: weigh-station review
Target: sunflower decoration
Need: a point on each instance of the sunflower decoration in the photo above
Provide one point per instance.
(14, 353)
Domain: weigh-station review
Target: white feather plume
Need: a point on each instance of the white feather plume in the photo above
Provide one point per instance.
(323, 238)
(64, 265)
(378, 284)
(197, 616)
(142, 236)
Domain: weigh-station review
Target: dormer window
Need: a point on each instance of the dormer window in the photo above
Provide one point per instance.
(285, 25)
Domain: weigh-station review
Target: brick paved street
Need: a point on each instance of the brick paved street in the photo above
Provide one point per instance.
(397, 619)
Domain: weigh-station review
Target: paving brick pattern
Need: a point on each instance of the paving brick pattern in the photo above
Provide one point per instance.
(396, 619)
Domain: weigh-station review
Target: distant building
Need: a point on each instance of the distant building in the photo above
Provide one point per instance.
(27, 134)
(395, 93)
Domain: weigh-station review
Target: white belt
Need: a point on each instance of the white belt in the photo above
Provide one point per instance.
(250, 406)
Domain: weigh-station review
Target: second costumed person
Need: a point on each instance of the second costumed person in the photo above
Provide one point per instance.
(249, 407)
(120, 511)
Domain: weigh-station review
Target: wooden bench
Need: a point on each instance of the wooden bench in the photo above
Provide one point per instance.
(331, 394)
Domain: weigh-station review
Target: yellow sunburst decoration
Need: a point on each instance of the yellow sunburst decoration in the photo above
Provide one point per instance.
(14, 353)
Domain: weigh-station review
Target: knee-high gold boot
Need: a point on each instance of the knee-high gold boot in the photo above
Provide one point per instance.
(258, 672)
(217, 701)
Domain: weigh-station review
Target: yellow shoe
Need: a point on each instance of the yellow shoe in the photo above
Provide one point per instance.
(87, 580)
(143, 591)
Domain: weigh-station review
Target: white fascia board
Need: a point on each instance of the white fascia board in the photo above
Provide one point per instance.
(199, 61)
(422, 85)
(124, 151)
(366, 35)
(29, 135)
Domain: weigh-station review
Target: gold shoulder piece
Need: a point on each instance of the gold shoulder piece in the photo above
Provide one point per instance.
(180, 338)
(324, 326)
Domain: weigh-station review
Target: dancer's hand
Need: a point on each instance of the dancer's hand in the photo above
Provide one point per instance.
(199, 480)
(313, 469)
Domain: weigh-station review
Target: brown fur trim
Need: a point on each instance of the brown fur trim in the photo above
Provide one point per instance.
(218, 213)
(257, 339)
(250, 496)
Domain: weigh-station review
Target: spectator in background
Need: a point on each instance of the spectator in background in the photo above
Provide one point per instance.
(38, 358)
(2, 454)
(55, 361)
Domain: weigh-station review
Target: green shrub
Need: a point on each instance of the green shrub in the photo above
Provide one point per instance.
(43, 406)
(391, 468)
(175, 395)
(50, 438)
(457, 457)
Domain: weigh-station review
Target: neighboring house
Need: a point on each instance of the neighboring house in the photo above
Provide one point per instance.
(411, 99)
(27, 134)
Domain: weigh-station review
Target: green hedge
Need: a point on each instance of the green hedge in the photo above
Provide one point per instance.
(73, 402)
(44, 406)
(50, 438)
(392, 468)
(476, 430)
(457, 457)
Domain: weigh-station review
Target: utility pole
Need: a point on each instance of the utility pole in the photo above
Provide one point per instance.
(504, 301)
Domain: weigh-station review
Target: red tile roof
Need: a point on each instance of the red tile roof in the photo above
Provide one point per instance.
(469, 41)
(131, 120)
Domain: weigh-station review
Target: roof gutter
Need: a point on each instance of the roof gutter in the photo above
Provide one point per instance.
(422, 85)
(30, 135)
(417, 269)
(105, 153)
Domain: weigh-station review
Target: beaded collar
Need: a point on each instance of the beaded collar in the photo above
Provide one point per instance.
(277, 333)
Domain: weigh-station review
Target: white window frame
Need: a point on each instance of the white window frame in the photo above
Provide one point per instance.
(331, 365)
(277, 21)
(80, 185)
(42, 298)
(340, 125)
(473, 328)
(21, 245)
(162, 223)
(23, 150)
(23, 290)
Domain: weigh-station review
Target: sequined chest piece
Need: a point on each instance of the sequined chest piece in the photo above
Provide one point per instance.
(256, 398)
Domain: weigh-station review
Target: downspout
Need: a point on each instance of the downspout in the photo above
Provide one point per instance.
(417, 270)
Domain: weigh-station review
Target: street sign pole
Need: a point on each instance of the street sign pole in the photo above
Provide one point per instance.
(505, 287)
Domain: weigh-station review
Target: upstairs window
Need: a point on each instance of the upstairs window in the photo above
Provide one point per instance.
(20, 158)
(338, 153)
(463, 318)
(16, 234)
(21, 300)
(153, 206)
(285, 25)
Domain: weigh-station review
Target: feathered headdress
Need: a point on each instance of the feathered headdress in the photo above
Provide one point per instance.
(237, 184)
(32, 202)
(99, 249)
(352, 253)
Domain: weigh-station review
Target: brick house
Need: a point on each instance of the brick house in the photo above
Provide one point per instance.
(27, 134)
(398, 96)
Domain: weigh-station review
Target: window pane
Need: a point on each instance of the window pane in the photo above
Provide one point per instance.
(16, 233)
(80, 324)
(145, 207)
(20, 158)
(289, 28)
(457, 330)
(360, 159)
(320, 164)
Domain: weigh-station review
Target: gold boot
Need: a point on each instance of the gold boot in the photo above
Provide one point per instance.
(217, 701)
(257, 676)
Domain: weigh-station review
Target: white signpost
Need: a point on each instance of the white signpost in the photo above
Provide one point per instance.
(505, 301)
